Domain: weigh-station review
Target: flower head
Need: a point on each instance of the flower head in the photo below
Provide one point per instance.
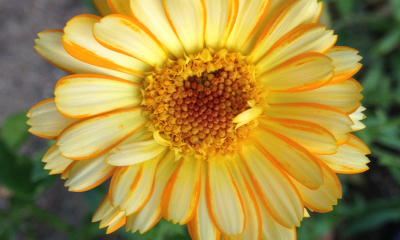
(228, 116)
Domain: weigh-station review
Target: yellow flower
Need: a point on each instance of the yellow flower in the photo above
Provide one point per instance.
(228, 116)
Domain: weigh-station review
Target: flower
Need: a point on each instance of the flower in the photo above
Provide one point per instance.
(228, 116)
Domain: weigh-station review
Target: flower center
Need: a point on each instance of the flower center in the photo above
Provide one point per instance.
(193, 102)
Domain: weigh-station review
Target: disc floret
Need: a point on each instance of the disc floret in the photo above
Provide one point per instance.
(192, 102)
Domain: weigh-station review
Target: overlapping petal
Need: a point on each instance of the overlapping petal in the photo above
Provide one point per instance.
(292, 15)
(49, 46)
(201, 227)
(188, 21)
(151, 14)
(86, 95)
(183, 190)
(150, 214)
(344, 96)
(88, 174)
(81, 139)
(274, 188)
(221, 17)
(307, 38)
(249, 16)
(335, 121)
(132, 186)
(350, 157)
(290, 156)
(135, 153)
(80, 43)
(302, 73)
(224, 202)
(311, 136)
(109, 216)
(54, 161)
(46, 121)
(346, 62)
(253, 229)
(322, 199)
(128, 36)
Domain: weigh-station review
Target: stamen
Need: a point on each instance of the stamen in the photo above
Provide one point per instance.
(192, 103)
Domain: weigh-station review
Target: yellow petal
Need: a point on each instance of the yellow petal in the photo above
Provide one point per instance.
(111, 217)
(356, 117)
(150, 214)
(134, 153)
(221, 17)
(275, 190)
(49, 46)
(120, 7)
(54, 161)
(350, 157)
(322, 199)
(307, 38)
(273, 9)
(344, 96)
(80, 43)
(253, 228)
(306, 214)
(102, 7)
(247, 116)
(290, 156)
(291, 16)
(121, 182)
(224, 202)
(131, 186)
(333, 120)
(302, 73)
(151, 14)
(201, 226)
(250, 15)
(135, 194)
(91, 137)
(271, 229)
(46, 121)
(88, 174)
(128, 36)
(311, 136)
(188, 21)
(183, 190)
(346, 62)
(86, 95)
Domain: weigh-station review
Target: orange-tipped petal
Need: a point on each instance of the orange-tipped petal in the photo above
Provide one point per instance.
(46, 121)
(274, 188)
(224, 203)
(81, 139)
(183, 190)
(201, 227)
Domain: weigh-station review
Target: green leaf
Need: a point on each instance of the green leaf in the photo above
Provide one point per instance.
(395, 7)
(15, 173)
(90, 5)
(15, 130)
(389, 42)
(346, 7)
(38, 172)
(372, 216)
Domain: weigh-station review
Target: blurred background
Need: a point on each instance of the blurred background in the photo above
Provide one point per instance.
(34, 205)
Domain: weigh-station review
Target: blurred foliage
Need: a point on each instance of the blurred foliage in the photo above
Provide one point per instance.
(370, 208)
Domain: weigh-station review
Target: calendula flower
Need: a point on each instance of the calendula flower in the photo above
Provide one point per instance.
(228, 116)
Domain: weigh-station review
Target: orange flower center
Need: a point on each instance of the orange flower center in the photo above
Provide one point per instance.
(193, 103)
